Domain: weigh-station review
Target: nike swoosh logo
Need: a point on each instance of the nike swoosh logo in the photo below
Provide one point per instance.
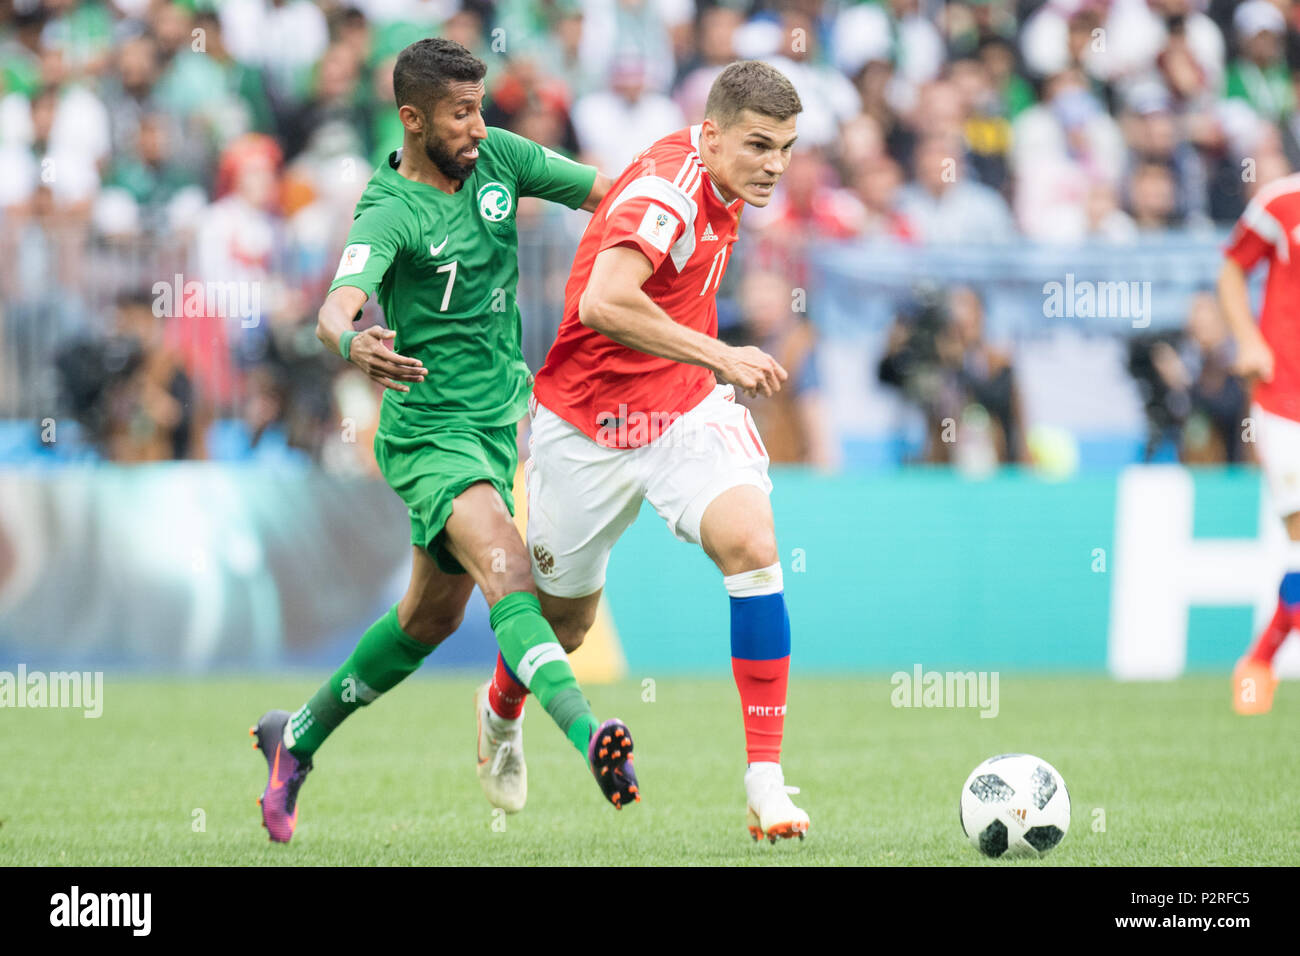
(275, 769)
(532, 659)
(437, 250)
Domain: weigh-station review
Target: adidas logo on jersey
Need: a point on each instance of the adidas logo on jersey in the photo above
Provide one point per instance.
(709, 235)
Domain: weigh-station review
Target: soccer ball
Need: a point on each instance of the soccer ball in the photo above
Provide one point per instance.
(1015, 805)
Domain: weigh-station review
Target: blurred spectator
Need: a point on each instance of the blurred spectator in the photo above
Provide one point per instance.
(463, 26)
(965, 387)
(525, 96)
(874, 82)
(350, 28)
(945, 205)
(331, 107)
(1259, 74)
(877, 186)
(281, 38)
(896, 33)
(615, 125)
(1065, 35)
(386, 129)
(37, 152)
(795, 421)
(78, 127)
(1013, 91)
(262, 431)
(321, 192)
(129, 391)
(1061, 147)
(939, 112)
(810, 208)
(966, 26)
(828, 97)
(549, 33)
(615, 32)
(148, 191)
(234, 253)
(715, 49)
(129, 92)
(1191, 62)
(1270, 165)
(986, 127)
(1193, 402)
(1152, 135)
(20, 51)
(1169, 36)
(1105, 221)
(82, 30)
(215, 97)
(1153, 197)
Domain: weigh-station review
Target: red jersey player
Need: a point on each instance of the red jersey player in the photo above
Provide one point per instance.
(1269, 354)
(628, 407)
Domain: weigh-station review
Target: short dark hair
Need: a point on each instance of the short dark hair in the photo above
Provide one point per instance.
(751, 85)
(426, 69)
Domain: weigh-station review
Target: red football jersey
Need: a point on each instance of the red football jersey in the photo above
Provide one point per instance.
(1270, 229)
(665, 205)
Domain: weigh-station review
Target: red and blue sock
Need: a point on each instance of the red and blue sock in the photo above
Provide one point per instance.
(760, 657)
(506, 693)
(1285, 617)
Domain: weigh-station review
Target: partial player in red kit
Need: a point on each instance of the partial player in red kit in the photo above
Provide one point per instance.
(628, 407)
(1269, 354)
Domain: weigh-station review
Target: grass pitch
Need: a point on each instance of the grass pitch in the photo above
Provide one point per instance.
(1159, 774)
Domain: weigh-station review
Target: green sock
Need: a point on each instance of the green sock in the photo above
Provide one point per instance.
(530, 649)
(384, 656)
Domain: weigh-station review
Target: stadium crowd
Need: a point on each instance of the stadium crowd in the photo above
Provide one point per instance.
(142, 140)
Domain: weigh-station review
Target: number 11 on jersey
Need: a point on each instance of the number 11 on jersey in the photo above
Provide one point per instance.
(719, 262)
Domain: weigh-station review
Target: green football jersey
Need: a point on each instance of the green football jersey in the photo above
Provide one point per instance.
(446, 267)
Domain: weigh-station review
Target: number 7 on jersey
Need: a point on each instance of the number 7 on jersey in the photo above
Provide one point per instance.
(451, 281)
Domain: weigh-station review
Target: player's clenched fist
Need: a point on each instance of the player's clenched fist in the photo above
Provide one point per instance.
(1254, 359)
(752, 370)
(373, 353)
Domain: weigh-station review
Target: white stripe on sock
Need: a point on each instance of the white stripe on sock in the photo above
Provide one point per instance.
(754, 583)
(536, 657)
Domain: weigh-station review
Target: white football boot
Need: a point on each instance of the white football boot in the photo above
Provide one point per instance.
(501, 769)
(772, 814)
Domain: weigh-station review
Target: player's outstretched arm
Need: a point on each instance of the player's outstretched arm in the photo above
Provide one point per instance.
(598, 189)
(368, 350)
(1254, 357)
(615, 305)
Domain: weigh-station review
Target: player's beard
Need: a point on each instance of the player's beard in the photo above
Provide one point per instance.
(446, 161)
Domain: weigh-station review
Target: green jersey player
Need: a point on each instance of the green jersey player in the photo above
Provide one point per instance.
(434, 238)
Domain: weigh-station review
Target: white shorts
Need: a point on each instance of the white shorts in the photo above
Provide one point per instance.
(582, 496)
(1278, 443)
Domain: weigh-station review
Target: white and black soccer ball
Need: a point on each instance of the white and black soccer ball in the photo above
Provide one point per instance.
(1015, 805)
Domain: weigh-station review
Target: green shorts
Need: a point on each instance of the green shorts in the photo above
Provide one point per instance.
(428, 470)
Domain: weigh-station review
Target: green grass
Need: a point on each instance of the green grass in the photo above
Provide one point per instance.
(1180, 778)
